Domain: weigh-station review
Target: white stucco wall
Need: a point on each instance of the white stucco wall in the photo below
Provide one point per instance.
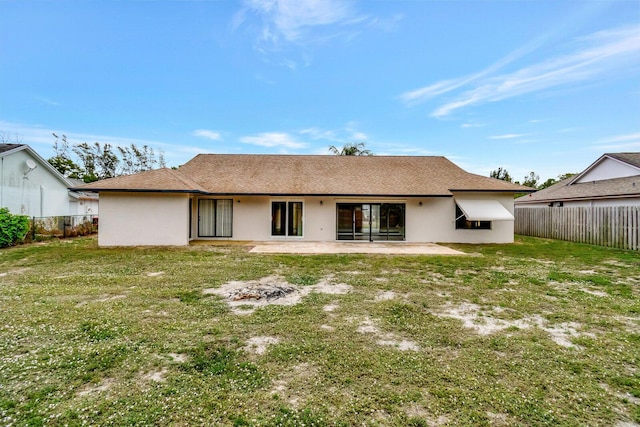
(143, 219)
(431, 221)
(40, 194)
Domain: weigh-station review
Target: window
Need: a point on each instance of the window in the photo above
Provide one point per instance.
(463, 224)
(215, 217)
(286, 218)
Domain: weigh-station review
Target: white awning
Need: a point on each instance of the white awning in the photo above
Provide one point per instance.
(484, 210)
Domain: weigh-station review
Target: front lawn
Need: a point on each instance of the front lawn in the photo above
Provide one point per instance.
(536, 333)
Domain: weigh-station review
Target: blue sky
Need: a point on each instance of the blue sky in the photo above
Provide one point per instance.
(544, 86)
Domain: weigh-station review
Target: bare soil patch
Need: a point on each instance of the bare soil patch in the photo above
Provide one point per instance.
(368, 326)
(244, 297)
(104, 385)
(484, 323)
(258, 345)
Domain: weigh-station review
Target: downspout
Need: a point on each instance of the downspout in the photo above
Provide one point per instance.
(41, 200)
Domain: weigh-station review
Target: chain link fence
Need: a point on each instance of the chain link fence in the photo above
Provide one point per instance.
(43, 228)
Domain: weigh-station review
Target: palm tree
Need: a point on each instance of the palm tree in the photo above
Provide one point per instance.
(351, 149)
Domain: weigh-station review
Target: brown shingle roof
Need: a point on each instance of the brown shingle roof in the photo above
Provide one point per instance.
(631, 158)
(164, 179)
(9, 147)
(315, 175)
(608, 188)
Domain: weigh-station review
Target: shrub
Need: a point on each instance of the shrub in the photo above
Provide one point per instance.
(13, 228)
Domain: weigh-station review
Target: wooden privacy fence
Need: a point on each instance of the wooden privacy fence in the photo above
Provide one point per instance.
(618, 226)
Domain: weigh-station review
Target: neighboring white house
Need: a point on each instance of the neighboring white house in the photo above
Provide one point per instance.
(612, 180)
(309, 198)
(29, 185)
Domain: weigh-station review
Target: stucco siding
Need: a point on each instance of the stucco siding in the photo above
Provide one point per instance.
(34, 193)
(429, 219)
(136, 219)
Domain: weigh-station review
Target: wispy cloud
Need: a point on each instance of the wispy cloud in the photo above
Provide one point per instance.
(290, 20)
(317, 133)
(48, 101)
(472, 125)
(273, 139)
(592, 57)
(619, 142)
(208, 134)
(508, 136)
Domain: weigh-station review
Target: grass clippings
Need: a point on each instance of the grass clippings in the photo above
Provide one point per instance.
(538, 333)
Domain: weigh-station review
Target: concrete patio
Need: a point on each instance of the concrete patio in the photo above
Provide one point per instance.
(394, 248)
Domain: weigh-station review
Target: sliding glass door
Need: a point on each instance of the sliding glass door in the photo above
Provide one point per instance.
(215, 217)
(370, 221)
(286, 219)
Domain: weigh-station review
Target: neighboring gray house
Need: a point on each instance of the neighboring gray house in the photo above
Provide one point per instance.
(29, 185)
(612, 180)
(307, 198)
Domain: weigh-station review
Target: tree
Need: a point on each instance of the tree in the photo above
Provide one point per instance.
(501, 174)
(351, 149)
(101, 161)
(62, 159)
(531, 180)
(551, 181)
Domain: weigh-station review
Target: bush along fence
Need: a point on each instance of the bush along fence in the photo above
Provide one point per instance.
(62, 226)
(616, 226)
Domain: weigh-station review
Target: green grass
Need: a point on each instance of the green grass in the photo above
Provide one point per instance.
(126, 336)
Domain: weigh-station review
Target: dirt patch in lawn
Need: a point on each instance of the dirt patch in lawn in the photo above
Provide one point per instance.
(484, 323)
(104, 385)
(155, 273)
(258, 345)
(285, 385)
(14, 271)
(244, 297)
(368, 326)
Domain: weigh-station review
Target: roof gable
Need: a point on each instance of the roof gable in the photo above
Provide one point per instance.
(613, 175)
(9, 149)
(610, 166)
(311, 175)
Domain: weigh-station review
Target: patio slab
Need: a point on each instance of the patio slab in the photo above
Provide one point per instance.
(395, 248)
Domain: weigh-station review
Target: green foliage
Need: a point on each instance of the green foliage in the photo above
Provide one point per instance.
(13, 228)
(101, 161)
(351, 149)
(531, 180)
(501, 174)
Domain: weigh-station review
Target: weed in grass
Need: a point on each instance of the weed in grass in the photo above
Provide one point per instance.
(189, 297)
(97, 332)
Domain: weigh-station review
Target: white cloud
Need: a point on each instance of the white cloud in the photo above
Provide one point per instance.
(592, 57)
(317, 133)
(288, 19)
(273, 139)
(508, 136)
(620, 143)
(472, 125)
(209, 134)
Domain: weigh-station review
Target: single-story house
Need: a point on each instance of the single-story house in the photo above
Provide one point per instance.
(612, 180)
(29, 185)
(305, 197)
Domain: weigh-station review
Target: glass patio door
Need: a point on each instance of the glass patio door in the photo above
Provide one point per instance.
(370, 221)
